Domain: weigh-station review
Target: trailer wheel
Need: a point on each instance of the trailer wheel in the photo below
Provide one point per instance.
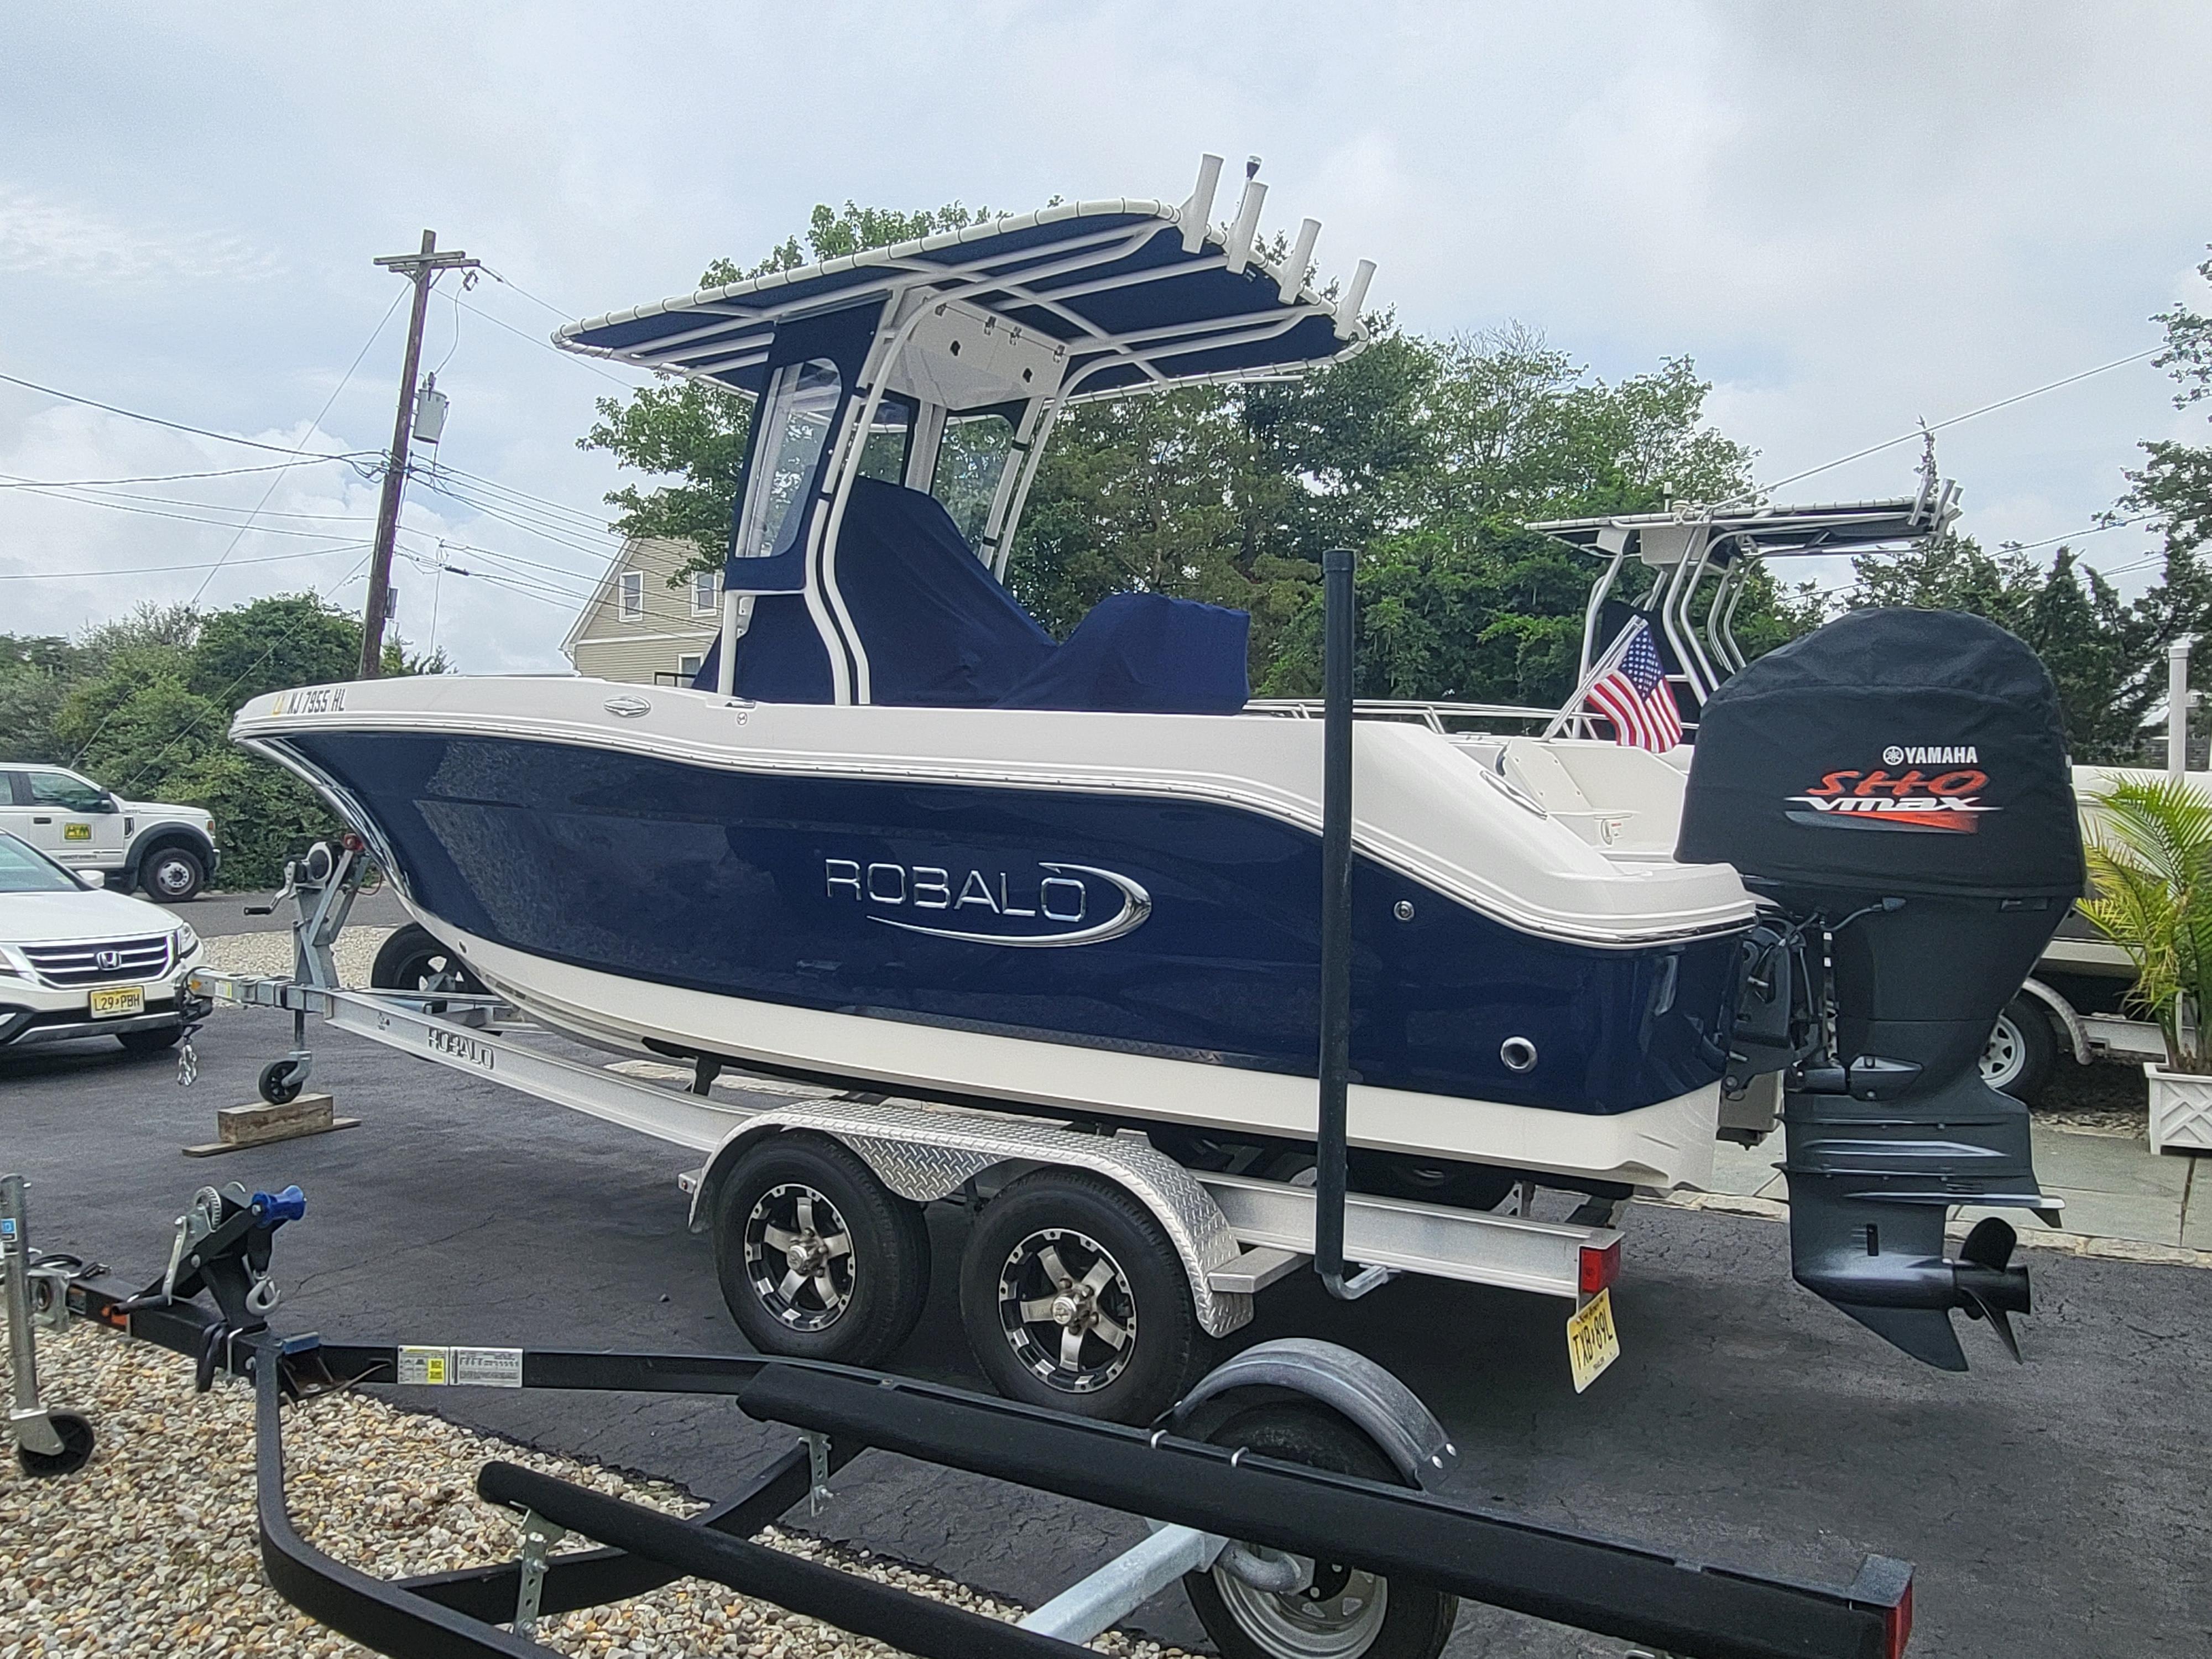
(1073, 1297)
(2017, 1059)
(817, 1258)
(413, 959)
(77, 1441)
(1344, 1612)
(280, 1081)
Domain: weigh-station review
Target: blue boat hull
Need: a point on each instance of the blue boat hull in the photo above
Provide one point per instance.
(1168, 928)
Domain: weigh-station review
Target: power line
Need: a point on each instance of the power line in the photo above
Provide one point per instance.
(1918, 432)
(539, 340)
(15, 482)
(176, 426)
(151, 569)
(596, 522)
(188, 518)
(508, 282)
(95, 497)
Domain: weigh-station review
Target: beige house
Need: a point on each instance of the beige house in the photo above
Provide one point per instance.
(637, 627)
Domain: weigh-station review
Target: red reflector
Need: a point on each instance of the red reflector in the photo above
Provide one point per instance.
(1897, 1623)
(1600, 1267)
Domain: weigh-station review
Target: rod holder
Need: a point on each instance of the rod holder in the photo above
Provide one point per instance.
(1301, 259)
(1246, 230)
(1355, 296)
(1197, 213)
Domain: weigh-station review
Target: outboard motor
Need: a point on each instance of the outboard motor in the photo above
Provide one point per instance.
(1895, 786)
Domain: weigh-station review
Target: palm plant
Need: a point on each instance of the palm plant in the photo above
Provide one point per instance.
(2150, 870)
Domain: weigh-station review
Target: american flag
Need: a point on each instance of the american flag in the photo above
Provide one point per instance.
(1633, 694)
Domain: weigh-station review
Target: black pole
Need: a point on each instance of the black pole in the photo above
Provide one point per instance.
(1335, 928)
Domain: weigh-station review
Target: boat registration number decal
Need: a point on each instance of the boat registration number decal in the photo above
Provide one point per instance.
(310, 700)
(124, 1000)
(1593, 1344)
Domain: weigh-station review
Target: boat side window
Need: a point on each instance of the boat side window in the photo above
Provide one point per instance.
(795, 410)
(968, 463)
(884, 455)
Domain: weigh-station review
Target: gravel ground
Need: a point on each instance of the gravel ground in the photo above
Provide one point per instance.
(271, 953)
(151, 1547)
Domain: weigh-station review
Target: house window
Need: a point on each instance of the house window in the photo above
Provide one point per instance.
(703, 584)
(689, 663)
(633, 595)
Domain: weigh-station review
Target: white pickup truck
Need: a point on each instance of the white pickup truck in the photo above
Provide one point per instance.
(170, 851)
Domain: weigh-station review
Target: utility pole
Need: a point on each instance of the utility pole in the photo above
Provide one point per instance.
(422, 269)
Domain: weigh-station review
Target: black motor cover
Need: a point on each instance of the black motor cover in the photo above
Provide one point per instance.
(1897, 783)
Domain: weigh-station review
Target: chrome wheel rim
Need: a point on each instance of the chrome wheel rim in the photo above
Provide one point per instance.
(172, 877)
(2004, 1054)
(799, 1257)
(1338, 1616)
(1068, 1310)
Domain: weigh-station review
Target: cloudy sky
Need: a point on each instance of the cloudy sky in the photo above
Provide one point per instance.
(1853, 216)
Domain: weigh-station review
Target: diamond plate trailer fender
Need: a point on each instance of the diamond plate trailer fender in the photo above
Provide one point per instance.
(924, 1155)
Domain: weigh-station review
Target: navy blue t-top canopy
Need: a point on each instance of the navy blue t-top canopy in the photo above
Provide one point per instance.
(1110, 281)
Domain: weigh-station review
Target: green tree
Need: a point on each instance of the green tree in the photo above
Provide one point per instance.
(2107, 655)
(147, 705)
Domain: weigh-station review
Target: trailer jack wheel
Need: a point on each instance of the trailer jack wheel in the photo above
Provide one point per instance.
(1258, 1604)
(77, 1440)
(281, 1081)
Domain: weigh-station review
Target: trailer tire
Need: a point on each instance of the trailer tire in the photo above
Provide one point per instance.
(852, 1305)
(414, 959)
(1344, 1611)
(2020, 1051)
(1069, 1241)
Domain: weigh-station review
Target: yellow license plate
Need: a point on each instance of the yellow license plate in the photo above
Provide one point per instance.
(76, 832)
(126, 1000)
(1592, 1342)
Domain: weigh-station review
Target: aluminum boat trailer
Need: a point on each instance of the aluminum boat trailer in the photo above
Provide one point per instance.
(1232, 1234)
(1277, 1553)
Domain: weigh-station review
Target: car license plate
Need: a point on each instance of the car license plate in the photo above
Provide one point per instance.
(76, 832)
(1592, 1342)
(124, 999)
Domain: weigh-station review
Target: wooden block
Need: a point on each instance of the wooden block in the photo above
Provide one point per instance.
(246, 1125)
(262, 1124)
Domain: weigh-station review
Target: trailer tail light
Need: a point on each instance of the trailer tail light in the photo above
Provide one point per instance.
(1600, 1267)
(1896, 1624)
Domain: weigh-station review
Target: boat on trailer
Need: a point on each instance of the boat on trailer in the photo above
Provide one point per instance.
(897, 839)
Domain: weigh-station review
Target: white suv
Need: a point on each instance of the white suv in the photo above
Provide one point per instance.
(77, 961)
(170, 851)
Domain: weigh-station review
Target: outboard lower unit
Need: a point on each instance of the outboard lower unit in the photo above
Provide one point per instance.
(1895, 787)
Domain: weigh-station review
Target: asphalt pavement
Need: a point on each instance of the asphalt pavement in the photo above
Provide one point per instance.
(2058, 1507)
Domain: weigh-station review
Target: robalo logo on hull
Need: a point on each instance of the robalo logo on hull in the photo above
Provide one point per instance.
(1051, 905)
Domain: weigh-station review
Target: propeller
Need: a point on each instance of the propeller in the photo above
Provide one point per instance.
(1988, 1287)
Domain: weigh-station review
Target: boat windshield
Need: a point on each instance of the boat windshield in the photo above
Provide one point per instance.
(796, 411)
(25, 870)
